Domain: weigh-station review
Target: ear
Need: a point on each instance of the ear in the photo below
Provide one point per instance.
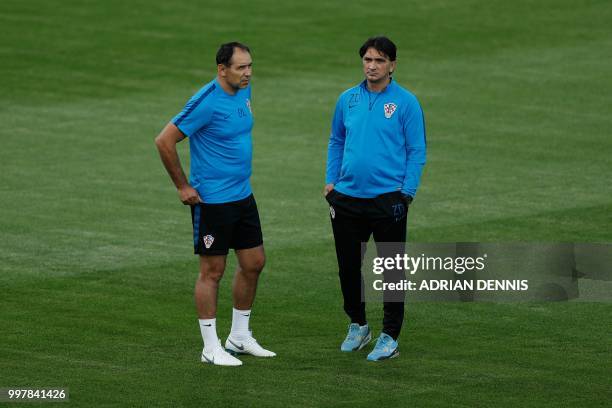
(393, 65)
(221, 70)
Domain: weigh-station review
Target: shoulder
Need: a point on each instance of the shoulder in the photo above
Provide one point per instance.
(350, 94)
(405, 96)
(353, 90)
(198, 109)
(408, 102)
(203, 99)
(210, 90)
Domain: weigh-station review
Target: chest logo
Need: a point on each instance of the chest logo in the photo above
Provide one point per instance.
(390, 109)
(248, 104)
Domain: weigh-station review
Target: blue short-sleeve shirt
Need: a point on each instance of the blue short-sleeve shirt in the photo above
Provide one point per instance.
(219, 128)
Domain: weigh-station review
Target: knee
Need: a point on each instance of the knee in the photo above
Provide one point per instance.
(255, 265)
(212, 273)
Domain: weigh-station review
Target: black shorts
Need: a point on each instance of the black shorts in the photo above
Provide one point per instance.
(219, 227)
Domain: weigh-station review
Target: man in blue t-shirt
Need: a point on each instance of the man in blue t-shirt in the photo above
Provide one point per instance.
(376, 154)
(218, 121)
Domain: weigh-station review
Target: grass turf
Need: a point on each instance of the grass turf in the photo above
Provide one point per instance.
(96, 270)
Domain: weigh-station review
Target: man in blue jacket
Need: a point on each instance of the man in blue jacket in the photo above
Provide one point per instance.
(376, 154)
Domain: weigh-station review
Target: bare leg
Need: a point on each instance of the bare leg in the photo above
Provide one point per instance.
(207, 285)
(250, 264)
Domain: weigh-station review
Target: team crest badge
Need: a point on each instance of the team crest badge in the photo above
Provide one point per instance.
(332, 212)
(208, 241)
(248, 103)
(390, 109)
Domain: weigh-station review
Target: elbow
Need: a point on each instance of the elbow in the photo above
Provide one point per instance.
(159, 142)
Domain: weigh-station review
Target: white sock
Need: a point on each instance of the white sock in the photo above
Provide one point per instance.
(240, 323)
(208, 328)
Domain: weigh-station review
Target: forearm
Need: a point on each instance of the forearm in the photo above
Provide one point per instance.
(414, 169)
(172, 163)
(335, 153)
(416, 146)
(333, 169)
(335, 147)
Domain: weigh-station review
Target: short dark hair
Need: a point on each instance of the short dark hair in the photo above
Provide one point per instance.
(226, 51)
(381, 44)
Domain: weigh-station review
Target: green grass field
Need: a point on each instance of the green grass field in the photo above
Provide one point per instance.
(96, 264)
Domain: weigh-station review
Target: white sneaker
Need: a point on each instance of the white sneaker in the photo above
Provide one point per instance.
(247, 346)
(218, 356)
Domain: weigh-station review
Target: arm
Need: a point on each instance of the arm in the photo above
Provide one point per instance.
(335, 148)
(166, 145)
(414, 132)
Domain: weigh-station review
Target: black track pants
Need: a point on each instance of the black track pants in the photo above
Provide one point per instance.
(353, 221)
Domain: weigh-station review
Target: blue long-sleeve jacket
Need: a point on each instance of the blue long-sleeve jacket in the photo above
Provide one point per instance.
(377, 142)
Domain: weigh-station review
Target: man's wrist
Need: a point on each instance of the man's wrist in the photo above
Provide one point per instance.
(183, 186)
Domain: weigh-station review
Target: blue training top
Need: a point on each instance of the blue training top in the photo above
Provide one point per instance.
(377, 142)
(219, 129)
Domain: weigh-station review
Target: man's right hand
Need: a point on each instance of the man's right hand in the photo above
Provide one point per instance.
(328, 187)
(189, 195)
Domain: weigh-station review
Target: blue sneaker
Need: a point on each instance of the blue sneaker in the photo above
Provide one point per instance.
(385, 348)
(357, 337)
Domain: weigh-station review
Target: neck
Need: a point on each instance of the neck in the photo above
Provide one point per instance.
(379, 85)
(226, 87)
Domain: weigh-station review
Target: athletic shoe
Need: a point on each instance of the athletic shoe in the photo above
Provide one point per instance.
(385, 348)
(246, 346)
(357, 337)
(218, 356)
